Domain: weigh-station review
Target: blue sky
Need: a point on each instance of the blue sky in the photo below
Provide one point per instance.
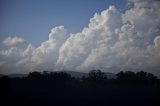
(33, 19)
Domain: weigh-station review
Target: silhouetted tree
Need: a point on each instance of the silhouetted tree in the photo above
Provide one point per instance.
(35, 75)
(53, 87)
(127, 76)
(141, 75)
(60, 76)
(152, 79)
(97, 75)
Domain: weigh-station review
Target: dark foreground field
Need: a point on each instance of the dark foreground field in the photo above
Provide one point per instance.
(42, 89)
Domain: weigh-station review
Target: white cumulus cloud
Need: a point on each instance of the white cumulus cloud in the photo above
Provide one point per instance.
(11, 41)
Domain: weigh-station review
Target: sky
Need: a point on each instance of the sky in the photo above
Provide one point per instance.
(34, 18)
(79, 35)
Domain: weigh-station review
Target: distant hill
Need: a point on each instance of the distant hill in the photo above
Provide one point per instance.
(81, 74)
(1, 75)
(110, 75)
(17, 75)
(76, 74)
(72, 73)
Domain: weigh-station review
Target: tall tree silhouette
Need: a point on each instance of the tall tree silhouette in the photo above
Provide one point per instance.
(127, 76)
(97, 75)
(35, 75)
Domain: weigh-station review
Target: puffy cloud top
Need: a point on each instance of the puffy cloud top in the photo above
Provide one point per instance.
(157, 41)
(11, 41)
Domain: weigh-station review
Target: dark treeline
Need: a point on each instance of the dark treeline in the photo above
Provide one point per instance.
(59, 88)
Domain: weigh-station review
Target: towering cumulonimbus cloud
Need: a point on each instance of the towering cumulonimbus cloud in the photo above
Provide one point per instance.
(45, 56)
(79, 47)
(112, 41)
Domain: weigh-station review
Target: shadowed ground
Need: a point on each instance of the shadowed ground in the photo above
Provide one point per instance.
(59, 88)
